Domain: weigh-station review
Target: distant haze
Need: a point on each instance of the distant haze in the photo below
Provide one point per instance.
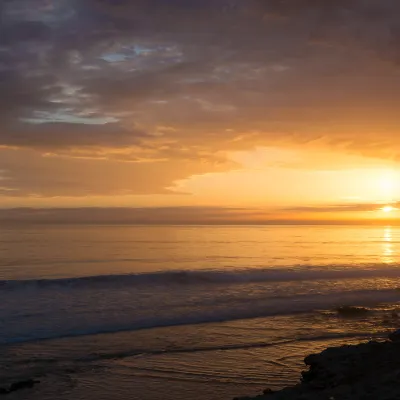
(177, 216)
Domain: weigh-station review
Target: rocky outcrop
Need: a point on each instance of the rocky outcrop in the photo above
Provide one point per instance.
(368, 371)
(26, 384)
(351, 311)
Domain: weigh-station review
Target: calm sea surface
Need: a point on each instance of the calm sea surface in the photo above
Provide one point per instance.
(174, 312)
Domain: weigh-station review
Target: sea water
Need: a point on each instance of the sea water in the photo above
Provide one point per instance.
(170, 312)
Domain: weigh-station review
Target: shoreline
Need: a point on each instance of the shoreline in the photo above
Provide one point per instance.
(362, 370)
(367, 371)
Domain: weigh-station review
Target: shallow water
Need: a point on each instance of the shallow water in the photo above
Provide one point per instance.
(209, 312)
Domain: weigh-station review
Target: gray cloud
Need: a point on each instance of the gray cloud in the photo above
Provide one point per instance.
(181, 80)
(157, 215)
(56, 135)
(164, 215)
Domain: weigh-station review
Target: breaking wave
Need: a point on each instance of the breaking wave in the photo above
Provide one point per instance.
(226, 276)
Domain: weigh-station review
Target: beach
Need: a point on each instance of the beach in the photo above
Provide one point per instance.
(186, 312)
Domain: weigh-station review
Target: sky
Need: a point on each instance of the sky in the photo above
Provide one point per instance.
(202, 110)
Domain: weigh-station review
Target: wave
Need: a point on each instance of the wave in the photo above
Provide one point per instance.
(177, 298)
(226, 276)
(271, 307)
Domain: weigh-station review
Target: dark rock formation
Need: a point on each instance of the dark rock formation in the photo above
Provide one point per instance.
(26, 384)
(395, 336)
(351, 311)
(368, 371)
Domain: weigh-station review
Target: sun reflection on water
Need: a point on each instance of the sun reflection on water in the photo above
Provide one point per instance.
(387, 251)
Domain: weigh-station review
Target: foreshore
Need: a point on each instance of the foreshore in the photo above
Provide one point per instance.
(367, 371)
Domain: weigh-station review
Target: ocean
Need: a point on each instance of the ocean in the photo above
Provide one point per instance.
(177, 312)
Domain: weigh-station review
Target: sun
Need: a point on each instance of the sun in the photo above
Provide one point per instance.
(387, 209)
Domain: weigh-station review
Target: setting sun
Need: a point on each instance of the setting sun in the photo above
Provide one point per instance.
(387, 209)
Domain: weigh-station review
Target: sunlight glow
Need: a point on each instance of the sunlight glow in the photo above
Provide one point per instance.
(388, 186)
(387, 209)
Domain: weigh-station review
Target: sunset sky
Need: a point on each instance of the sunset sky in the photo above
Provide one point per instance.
(232, 110)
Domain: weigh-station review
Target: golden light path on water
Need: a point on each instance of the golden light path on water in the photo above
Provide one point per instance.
(388, 252)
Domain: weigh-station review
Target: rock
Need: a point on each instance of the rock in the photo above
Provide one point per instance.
(26, 384)
(267, 391)
(367, 371)
(395, 336)
(351, 311)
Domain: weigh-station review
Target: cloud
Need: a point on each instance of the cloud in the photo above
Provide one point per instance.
(339, 208)
(183, 215)
(157, 215)
(56, 135)
(25, 173)
(100, 80)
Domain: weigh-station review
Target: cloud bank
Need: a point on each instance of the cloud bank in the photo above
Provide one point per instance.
(110, 97)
